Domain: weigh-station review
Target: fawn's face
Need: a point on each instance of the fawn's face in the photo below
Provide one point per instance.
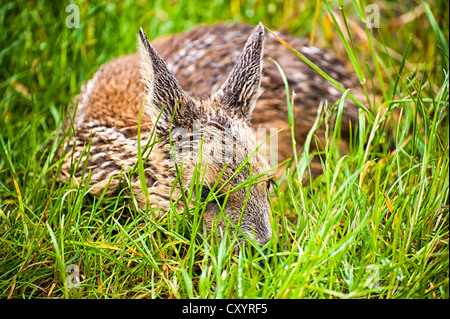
(228, 185)
(213, 139)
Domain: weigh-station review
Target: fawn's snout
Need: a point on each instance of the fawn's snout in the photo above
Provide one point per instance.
(243, 211)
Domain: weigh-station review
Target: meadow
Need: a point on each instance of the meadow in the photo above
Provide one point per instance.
(375, 224)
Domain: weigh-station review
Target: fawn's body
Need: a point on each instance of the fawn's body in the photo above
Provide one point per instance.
(223, 86)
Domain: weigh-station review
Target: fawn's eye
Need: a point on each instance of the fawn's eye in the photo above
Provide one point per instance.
(204, 194)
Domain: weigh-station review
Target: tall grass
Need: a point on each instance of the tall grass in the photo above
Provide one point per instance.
(374, 225)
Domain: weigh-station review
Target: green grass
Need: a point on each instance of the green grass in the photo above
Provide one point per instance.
(374, 225)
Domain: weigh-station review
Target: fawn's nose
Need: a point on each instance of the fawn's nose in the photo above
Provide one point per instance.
(262, 227)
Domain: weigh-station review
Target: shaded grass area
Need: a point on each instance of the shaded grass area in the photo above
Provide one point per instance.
(374, 225)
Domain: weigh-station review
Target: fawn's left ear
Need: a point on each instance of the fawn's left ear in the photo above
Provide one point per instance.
(162, 90)
(241, 90)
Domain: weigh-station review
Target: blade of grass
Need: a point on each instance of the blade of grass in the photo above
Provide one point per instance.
(323, 74)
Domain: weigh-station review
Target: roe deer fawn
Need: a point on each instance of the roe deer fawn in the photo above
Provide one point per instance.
(207, 84)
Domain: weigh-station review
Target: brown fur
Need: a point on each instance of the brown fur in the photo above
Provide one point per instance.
(210, 83)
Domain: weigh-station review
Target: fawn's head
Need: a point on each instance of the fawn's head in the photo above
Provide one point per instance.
(213, 136)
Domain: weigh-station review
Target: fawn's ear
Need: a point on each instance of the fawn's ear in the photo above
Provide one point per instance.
(162, 90)
(241, 90)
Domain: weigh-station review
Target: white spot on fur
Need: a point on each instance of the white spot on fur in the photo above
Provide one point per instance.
(333, 91)
(106, 164)
(299, 77)
(108, 133)
(312, 50)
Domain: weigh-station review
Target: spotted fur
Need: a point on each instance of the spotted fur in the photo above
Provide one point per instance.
(208, 88)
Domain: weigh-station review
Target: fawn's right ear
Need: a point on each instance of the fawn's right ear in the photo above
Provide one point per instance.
(162, 90)
(242, 88)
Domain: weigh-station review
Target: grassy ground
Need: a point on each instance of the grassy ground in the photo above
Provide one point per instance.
(374, 225)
